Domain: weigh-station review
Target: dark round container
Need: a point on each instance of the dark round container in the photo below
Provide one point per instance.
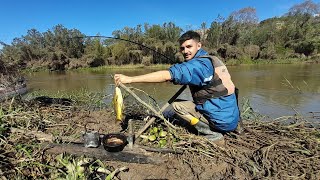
(114, 142)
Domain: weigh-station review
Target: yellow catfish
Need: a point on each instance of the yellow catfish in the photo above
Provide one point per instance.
(118, 103)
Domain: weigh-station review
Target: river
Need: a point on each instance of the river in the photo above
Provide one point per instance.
(272, 90)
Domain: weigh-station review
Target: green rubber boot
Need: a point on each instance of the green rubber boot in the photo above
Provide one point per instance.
(209, 134)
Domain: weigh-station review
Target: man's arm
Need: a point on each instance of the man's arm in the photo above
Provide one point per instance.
(158, 76)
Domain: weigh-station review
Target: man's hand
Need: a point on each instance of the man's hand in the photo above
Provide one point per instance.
(120, 78)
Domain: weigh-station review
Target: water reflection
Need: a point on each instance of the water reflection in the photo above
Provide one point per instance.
(273, 90)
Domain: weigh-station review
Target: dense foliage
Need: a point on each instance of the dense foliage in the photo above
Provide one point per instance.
(239, 37)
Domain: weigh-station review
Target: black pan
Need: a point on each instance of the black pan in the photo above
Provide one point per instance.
(114, 142)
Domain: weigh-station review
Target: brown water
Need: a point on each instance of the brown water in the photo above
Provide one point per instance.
(273, 90)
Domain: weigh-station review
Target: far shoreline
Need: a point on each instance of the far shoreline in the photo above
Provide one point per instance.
(230, 62)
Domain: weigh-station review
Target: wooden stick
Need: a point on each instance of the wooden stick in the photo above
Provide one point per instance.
(130, 137)
(151, 121)
(145, 127)
(148, 106)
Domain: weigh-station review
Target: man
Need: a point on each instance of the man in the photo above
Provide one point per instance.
(214, 109)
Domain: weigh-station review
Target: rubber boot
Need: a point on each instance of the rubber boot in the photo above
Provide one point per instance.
(209, 134)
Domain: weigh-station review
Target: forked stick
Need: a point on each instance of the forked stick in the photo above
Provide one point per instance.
(159, 114)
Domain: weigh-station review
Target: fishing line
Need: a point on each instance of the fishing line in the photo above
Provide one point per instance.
(109, 37)
(139, 44)
(127, 40)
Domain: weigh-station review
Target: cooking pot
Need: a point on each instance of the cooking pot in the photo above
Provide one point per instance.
(114, 142)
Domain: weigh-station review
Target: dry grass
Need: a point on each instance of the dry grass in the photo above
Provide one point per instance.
(285, 148)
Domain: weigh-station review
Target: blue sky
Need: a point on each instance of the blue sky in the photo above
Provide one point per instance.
(105, 16)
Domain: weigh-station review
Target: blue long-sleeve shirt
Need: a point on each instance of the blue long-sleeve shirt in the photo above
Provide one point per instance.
(223, 112)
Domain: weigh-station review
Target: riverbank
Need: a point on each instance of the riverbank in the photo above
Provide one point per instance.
(282, 148)
(234, 62)
(266, 86)
(124, 67)
(230, 62)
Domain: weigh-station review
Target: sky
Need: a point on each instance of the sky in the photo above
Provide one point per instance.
(104, 16)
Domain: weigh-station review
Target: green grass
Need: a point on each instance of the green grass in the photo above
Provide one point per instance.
(122, 67)
(247, 61)
(230, 62)
(79, 97)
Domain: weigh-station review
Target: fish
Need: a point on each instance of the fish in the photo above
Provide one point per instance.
(118, 103)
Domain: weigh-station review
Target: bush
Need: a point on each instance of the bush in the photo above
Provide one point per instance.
(232, 62)
(76, 63)
(120, 53)
(316, 58)
(170, 49)
(146, 60)
(230, 52)
(268, 51)
(36, 65)
(110, 61)
(245, 59)
(252, 51)
(135, 56)
(58, 65)
(179, 57)
(304, 47)
(95, 62)
(210, 51)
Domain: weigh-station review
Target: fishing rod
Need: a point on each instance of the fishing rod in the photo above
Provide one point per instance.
(139, 44)
(127, 40)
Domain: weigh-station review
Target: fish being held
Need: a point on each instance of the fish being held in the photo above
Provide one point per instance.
(118, 103)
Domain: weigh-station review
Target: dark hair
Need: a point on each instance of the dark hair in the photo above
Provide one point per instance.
(189, 35)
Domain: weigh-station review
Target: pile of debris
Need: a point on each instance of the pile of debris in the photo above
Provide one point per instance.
(32, 135)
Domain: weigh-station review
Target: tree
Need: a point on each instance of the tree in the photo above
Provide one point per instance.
(246, 15)
(214, 33)
(171, 31)
(203, 29)
(155, 31)
(247, 21)
(307, 7)
(213, 37)
(35, 41)
(229, 31)
(304, 47)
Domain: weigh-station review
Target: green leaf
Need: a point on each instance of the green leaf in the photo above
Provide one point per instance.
(162, 142)
(152, 138)
(163, 133)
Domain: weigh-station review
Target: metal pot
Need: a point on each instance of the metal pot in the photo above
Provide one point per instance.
(114, 142)
(91, 139)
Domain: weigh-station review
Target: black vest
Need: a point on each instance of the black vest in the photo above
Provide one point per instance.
(216, 87)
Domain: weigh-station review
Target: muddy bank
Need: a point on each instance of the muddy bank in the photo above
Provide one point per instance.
(266, 149)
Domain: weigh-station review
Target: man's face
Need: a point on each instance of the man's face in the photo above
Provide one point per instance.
(189, 48)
